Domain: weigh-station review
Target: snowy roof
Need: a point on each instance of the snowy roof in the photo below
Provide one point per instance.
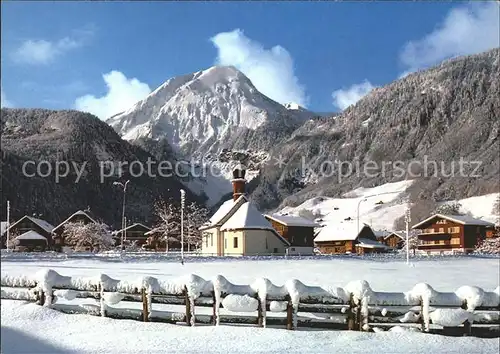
(381, 233)
(344, 231)
(460, 219)
(41, 223)
(133, 225)
(247, 217)
(367, 243)
(225, 209)
(79, 212)
(31, 235)
(292, 220)
(3, 227)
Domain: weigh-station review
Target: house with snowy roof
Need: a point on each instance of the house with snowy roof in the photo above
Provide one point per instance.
(85, 217)
(446, 234)
(237, 228)
(136, 232)
(298, 231)
(40, 228)
(344, 237)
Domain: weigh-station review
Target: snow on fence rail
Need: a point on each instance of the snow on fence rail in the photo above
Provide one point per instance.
(355, 306)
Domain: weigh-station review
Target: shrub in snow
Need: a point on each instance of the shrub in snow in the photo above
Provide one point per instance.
(91, 236)
(489, 246)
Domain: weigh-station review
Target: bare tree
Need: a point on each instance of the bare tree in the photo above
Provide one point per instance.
(91, 236)
(413, 242)
(168, 225)
(195, 217)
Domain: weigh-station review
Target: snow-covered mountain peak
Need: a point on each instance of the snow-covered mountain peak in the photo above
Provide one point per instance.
(199, 111)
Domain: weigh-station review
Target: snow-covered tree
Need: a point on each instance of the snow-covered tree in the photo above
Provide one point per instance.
(167, 229)
(489, 246)
(413, 242)
(195, 216)
(449, 209)
(496, 210)
(91, 236)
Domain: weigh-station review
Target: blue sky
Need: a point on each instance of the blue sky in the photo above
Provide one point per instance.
(103, 56)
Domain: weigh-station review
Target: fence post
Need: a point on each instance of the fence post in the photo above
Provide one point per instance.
(467, 324)
(421, 319)
(260, 319)
(289, 314)
(41, 298)
(188, 307)
(359, 320)
(351, 319)
(214, 309)
(145, 312)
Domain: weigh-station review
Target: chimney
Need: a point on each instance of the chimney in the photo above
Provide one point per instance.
(238, 181)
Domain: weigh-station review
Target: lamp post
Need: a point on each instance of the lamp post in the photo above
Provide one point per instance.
(407, 220)
(124, 186)
(183, 197)
(8, 225)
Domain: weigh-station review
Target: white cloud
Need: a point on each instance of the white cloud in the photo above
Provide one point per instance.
(122, 93)
(469, 29)
(270, 70)
(345, 97)
(4, 102)
(41, 51)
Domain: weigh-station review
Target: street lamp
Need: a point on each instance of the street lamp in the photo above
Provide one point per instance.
(124, 186)
(183, 198)
(8, 226)
(407, 220)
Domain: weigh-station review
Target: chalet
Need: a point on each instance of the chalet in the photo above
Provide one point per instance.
(30, 241)
(134, 233)
(79, 216)
(298, 231)
(451, 233)
(238, 228)
(395, 239)
(344, 237)
(29, 223)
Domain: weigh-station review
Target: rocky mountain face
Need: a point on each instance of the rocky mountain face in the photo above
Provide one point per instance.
(46, 139)
(425, 123)
(442, 115)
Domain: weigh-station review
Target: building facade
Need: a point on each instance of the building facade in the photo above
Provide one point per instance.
(447, 234)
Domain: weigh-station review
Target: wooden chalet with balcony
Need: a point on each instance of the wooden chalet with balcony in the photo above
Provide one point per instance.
(298, 231)
(448, 234)
(344, 237)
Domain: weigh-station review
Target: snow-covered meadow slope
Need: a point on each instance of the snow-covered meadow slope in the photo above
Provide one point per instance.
(383, 205)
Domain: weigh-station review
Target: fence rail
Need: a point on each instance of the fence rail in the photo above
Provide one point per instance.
(193, 300)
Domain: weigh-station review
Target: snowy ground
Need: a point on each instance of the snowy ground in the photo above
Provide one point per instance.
(30, 328)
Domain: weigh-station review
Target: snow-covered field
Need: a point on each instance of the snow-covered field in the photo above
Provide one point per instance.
(29, 328)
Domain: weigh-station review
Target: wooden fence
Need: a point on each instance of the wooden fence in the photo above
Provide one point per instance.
(193, 300)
